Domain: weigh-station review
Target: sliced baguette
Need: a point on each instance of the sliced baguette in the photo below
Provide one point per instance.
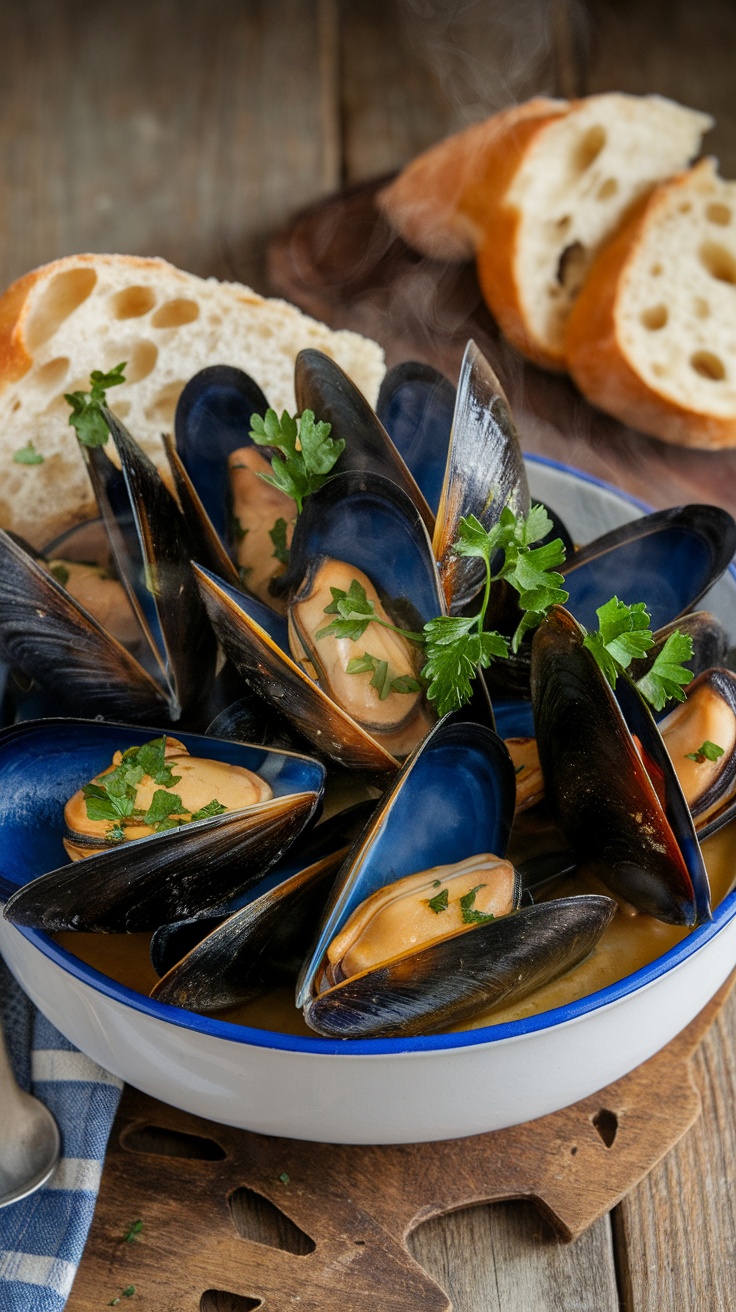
(437, 203)
(536, 191)
(652, 337)
(90, 312)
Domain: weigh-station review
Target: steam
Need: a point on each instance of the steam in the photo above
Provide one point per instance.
(487, 54)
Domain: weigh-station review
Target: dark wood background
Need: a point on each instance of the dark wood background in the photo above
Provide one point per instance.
(195, 131)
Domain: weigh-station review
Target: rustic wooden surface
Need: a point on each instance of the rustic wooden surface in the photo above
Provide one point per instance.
(194, 131)
(349, 1210)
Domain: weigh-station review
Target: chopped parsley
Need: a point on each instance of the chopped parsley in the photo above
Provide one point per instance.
(114, 797)
(277, 535)
(439, 903)
(133, 1231)
(86, 417)
(60, 573)
(471, 915)
(28, 455)
(707, 751)
(383, 681)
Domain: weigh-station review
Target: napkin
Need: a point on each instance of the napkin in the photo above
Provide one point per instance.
(42, 1237)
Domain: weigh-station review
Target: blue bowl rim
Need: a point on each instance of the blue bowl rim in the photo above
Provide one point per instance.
(250, 1036)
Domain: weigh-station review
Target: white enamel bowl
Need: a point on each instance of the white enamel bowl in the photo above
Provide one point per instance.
(389, 1090)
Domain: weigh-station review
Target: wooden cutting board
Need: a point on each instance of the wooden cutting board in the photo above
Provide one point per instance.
(234, 1221)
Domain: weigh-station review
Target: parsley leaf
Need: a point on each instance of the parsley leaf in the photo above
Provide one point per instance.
(151, 758)
(212, 808)
(163, 806)
(277, 535)
(28, 455)
(60, 573)
(455, 650)
(471, 915)
(133, 1232)
(86, 416)
(623, 635)
(667, 677)
(439, 903)
(307, 452)
(707, 751)
(115, 834)
(383, 681)
(354, 609)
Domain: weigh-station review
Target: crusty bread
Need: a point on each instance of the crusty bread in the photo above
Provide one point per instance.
(90, 312)
(652, 337)
(438, 200)
(537, 191)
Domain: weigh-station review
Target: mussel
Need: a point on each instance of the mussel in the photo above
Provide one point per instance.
(438, 840)
(44, 630)
(642, 844)
(371, 527)
(137, 885)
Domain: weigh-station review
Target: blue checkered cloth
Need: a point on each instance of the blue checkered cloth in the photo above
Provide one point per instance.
(42, 1237)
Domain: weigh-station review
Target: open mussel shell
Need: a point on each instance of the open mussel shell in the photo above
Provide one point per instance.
(147, 882)
(324, 388)
(485, 472)
(415, 405)
(204, 544)
(669, 559)
(211, 963)
(597, 786)
(454, 798)
(152, 555)
(454, 979)
(212, 420)
(368, 522)
(46, 633)
(715, 805)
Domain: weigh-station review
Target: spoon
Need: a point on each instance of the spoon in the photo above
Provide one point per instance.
(29, 1138)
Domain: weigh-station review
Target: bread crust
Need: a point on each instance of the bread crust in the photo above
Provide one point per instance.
(596, 357)
(437, 201)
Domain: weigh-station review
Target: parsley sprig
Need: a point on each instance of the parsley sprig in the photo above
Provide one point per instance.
(623, 635)
(456, 647)
(86, 416)
(307, 453)
(114, 797)
(383, 680)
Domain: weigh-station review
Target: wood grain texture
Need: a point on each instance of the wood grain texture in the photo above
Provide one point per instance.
(324, 1228)
(165, 128)
(674, 47)
(676, 1230)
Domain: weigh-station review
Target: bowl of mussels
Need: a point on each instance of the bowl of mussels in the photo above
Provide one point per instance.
(364, 781)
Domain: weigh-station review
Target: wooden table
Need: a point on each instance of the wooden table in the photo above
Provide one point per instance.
(194, 131)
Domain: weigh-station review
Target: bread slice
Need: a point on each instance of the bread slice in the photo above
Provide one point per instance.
(438, 200)
(536, 191)
(88, 312)
(652, 337)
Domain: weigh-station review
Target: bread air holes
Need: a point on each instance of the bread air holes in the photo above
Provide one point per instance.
(655, 317)
(607, 189)
(718, 262)
(708, 365)
(140, 359)
(175, 313)
(162, 408)
(132, 302)
(51, 375)
(588, 148)
(60, 298)
(718, 213)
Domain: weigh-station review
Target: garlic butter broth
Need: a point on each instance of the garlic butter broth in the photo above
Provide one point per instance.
(630, 942)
